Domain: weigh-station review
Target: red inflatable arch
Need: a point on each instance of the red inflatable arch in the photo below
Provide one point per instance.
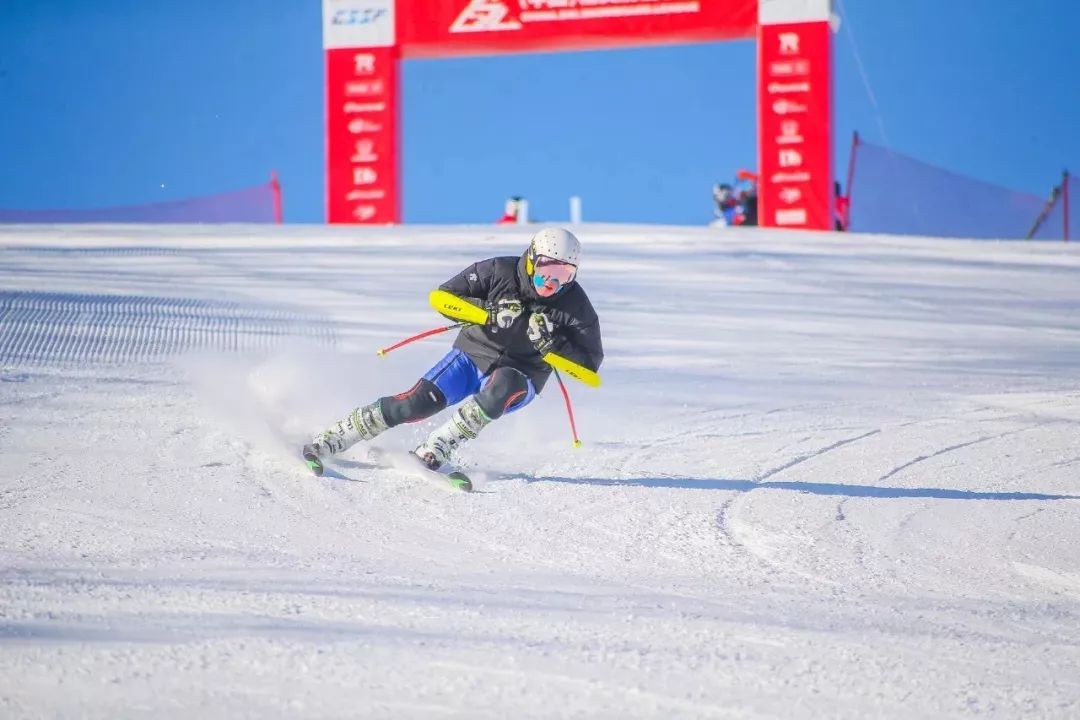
(365, 40)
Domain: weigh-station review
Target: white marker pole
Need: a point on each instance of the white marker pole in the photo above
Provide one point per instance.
(575, 210)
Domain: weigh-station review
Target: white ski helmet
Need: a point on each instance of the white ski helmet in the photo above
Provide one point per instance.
(550, 248)
(557, 244)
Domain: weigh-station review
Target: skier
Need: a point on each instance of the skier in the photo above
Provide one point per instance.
(841, 208)
(533, 313)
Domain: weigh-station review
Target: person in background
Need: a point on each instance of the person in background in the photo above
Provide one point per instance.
(512, 211)
(726, 210)
(841, 207)
(748, 197)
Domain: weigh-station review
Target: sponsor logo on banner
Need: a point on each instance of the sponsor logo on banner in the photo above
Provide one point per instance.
(365, 152)
(502, 15)
(364, 212)
(357, 16)
(364, 176)
(789, 43)
(355, 195)
(484, 16)
(789, 133)
(790, 158)
(793, 216)
(790, 195)
(363, 107)
(365, 88)
(790, 177)
(364, 63)
(788, 68)
(788, 107)
(359, 126)
(779, 87)
(358, 23)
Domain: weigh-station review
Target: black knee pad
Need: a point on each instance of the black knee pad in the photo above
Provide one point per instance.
(421, 402)
(505, 388)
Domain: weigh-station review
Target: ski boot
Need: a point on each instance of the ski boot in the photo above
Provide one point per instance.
(464, 425)
(363, 423)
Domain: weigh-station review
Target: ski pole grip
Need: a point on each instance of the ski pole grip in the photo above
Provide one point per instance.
(453, 307)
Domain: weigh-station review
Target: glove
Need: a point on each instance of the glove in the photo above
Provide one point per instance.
(541, 332)
(503, 313)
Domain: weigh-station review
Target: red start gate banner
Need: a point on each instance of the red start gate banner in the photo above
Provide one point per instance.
(795, 126)
(361, 112)
(476, 27)
(365, 40)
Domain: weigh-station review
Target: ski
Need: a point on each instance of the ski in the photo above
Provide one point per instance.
(411, 464)
(312, 459)
(407, 462)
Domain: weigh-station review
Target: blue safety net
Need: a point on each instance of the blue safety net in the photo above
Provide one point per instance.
(897, 194)
(250, 205)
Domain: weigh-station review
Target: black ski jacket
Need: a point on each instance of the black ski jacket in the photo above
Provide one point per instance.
(577, 329)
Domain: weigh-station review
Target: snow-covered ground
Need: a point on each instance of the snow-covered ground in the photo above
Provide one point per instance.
(826, 476)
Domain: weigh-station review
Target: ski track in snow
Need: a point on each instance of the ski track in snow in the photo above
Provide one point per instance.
(825, 477)
(816, 454)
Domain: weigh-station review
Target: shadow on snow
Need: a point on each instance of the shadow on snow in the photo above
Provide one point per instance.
(686, 483)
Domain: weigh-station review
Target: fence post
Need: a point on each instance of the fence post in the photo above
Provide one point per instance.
(850, 178)
(1065, 199)
(1058, 193)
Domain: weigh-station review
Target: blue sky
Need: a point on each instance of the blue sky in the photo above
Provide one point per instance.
(111, 102)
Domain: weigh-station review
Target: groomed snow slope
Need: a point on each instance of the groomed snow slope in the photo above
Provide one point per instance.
(826, 476)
